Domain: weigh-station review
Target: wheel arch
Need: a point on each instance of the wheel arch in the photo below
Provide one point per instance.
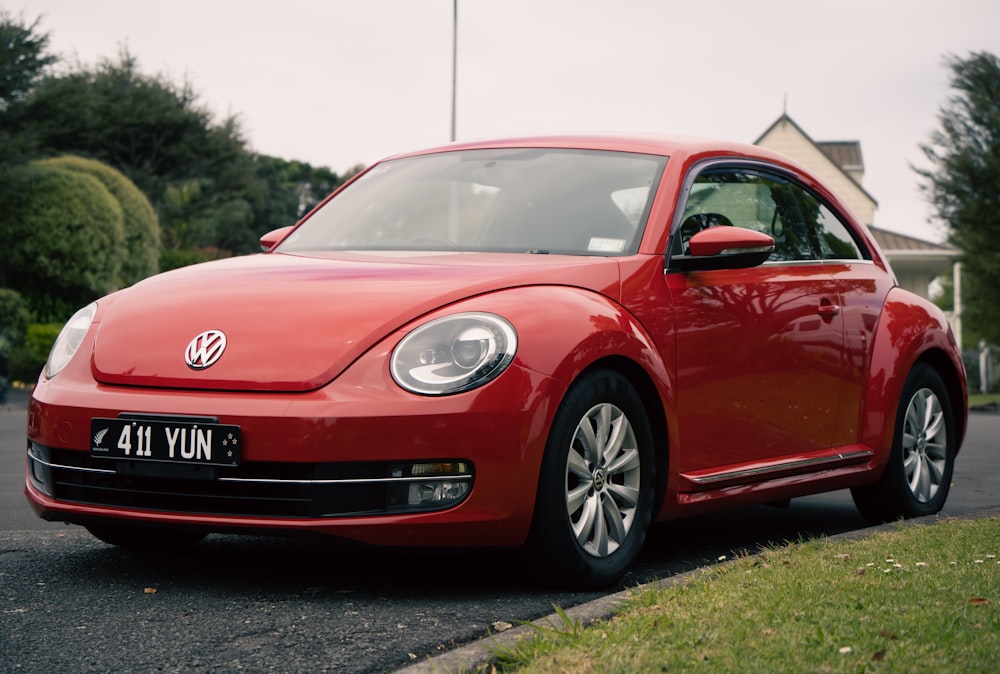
(595, 332)
(910, 330)
(955, 382)
(917, 475)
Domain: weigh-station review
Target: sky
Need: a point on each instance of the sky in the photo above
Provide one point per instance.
(344, 82)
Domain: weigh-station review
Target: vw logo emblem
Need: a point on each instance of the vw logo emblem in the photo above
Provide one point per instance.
(205, 349)
(600, 479)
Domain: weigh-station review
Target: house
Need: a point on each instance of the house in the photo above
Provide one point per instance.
(917, 263)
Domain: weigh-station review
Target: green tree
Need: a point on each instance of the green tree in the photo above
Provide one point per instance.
(964, 185)
(159, 135)
(146, 127)
(65, 239)
(23, 58)
(293, 188)
(213, 196)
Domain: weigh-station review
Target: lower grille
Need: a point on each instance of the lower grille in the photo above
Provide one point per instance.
(279, 490)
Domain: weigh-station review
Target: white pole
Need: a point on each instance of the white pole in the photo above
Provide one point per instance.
(984, 367)
(454, 64)
(957, 290)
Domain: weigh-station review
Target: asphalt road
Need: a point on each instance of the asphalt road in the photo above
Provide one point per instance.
(71, 603)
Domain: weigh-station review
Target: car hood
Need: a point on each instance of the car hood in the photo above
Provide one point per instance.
(294, 322)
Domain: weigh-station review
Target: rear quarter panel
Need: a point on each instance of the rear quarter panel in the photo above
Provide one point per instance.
(910, 329)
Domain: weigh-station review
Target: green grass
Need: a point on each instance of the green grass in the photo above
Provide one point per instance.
(981, 399)
(921, 598)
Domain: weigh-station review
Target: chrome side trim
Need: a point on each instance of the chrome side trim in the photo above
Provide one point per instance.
(76, 468)
(818, 261)
(373, 480)
(800, 465)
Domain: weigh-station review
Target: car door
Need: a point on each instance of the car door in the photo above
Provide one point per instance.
(862, 286)
(759, 352)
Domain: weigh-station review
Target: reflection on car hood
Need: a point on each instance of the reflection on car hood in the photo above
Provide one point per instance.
(293, 323)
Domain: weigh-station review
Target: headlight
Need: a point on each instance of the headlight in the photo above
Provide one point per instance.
(69, 339)
(454, 354)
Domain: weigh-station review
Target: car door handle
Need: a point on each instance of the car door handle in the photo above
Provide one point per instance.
(828, 311)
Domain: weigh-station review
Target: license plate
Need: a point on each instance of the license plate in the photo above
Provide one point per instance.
(166, 439)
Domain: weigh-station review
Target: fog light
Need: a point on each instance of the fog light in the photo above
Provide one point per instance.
(436, 493)
(430, 485)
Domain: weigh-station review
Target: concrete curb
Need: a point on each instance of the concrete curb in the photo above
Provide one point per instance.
(481, 652)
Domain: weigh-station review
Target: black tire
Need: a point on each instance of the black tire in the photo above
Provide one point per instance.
(595, 489)
(150, 539)
(918, 476)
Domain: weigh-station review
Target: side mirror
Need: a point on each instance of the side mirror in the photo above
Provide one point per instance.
(724, 248)
(272, 238)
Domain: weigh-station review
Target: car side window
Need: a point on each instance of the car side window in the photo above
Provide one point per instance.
(802, 226)
(835, 240)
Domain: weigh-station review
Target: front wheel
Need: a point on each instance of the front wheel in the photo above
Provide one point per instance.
(917, 478)
(595, 490)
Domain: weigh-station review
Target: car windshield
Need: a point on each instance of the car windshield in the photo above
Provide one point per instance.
(537, 200)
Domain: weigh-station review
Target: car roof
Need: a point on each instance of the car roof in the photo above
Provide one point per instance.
(680, 147)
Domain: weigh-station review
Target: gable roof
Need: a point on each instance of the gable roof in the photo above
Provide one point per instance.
(849, 151)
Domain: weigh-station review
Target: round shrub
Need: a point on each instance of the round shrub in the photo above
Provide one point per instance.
(64, 239)
(142, 229)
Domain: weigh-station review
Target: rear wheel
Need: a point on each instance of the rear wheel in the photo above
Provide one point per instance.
(918, 476)
(138, 537)
(595, 491)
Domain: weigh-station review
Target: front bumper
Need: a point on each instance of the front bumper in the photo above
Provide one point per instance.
(336, 461)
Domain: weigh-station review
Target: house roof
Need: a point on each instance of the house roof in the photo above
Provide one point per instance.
(914, 257)
(834, 151)
(844, 153)
(895, 244)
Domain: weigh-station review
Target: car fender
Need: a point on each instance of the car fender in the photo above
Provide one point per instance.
(563, 330)
(910, 329)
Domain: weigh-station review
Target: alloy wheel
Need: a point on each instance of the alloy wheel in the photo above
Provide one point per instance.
(925, 445)
(603, 473)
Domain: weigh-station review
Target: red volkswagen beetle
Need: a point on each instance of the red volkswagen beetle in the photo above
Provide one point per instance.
(543, 343)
